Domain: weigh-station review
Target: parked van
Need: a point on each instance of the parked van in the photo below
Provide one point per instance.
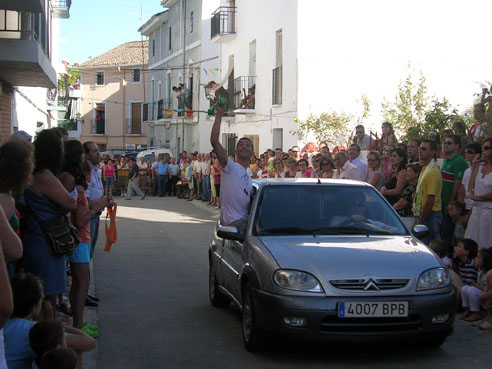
(152, 153)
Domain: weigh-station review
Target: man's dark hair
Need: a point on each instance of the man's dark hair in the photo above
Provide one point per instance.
(27, 290)
(456, 139)
(304, 161)
(87, 146)
(62, 130)
(432, 144)
(471, 246)
(278, 148)
(356, 146)
(441, 247)
(45, 336)
(416, 141)
(60, 358)
(247, 139)
(360, 126)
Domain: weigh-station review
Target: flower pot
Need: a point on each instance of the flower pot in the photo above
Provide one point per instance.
(189, 112)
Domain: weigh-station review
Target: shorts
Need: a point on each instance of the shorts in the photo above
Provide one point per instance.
(81, 254)
(217, 190)
(108, 182)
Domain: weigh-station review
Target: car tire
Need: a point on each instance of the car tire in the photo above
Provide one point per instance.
(217, 298)
(253, 336)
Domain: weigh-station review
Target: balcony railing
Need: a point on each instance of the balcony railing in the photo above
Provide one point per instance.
(243, 93)
(277, 86)
(98, 126)
(223, 22)
(156, 110)
(61, 8)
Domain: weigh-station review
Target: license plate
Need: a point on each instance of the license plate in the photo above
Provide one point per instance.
(390, 309)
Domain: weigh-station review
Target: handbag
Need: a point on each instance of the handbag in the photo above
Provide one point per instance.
(61, 236)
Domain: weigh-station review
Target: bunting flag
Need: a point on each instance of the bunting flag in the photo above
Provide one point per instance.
(205, 71)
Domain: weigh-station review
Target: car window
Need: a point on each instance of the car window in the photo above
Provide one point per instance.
(325, 210)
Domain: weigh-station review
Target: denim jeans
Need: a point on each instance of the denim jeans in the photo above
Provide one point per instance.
(206, 188)
(447, 227)
(161, 184)
(433, 222)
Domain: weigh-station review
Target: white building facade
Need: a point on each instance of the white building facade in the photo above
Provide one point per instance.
(321, 56)
(172, 124)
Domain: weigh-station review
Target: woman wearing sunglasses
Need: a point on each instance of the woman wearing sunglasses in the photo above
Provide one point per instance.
(480, 187)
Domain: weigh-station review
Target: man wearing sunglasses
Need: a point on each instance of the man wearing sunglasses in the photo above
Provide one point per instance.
(452, 171)
(427, 201)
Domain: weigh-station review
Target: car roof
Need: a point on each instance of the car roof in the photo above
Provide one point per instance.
(309, 182)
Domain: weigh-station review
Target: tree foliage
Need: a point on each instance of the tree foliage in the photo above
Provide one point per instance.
(409, 108)
(74, 77)
(332, 127)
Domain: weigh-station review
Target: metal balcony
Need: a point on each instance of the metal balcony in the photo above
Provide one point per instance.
(61, 8)
(223, 24)
(34, 6)
(241, 99)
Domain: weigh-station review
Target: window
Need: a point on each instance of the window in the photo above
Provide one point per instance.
(169, 40)
(136, 75)
(277, 72)
(99, 126)
(135, 123)
(153, 47)
(99, 78)
(191, 22)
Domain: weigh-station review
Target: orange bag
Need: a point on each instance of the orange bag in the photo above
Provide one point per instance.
(111, 232)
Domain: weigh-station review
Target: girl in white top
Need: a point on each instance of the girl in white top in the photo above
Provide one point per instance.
(480, 187)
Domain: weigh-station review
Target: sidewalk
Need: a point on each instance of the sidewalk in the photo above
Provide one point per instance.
(91, 314)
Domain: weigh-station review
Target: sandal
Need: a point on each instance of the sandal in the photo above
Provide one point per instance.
(464, 315)
(473, 317)
(485, 326)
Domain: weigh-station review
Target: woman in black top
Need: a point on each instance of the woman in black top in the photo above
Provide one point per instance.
(397, 180)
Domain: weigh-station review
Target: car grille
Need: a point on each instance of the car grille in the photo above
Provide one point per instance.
(369, 284)
(336, 324)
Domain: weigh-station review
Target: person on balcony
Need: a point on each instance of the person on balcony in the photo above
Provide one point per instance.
(249, 100)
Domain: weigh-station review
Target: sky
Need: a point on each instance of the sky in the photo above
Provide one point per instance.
(96, 26)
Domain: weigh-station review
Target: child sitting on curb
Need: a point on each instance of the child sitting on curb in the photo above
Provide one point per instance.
(470, 295)
(27, 291)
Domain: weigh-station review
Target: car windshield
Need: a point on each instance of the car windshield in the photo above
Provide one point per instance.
(325, 210)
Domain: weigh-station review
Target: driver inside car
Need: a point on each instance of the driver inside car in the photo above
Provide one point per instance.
(357, 216)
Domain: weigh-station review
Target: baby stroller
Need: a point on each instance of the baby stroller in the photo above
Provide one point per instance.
(182, 190)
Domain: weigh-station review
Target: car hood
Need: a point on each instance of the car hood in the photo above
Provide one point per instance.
(330, 257)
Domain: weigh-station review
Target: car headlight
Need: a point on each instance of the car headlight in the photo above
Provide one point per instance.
(296, 280)
(433, 278)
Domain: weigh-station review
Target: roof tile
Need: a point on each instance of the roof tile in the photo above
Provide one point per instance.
(127, 53)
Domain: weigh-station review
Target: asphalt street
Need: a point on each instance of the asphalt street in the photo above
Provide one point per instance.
(155, 313)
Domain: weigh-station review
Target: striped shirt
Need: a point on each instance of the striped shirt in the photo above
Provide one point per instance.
(468, 271)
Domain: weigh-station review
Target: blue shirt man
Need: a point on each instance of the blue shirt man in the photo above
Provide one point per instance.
(163, 171)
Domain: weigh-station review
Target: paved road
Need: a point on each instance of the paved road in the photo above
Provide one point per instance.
(154, 310)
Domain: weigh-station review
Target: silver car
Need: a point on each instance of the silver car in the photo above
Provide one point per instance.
(329, 260)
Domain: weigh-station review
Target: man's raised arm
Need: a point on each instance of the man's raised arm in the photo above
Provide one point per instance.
(214, 137)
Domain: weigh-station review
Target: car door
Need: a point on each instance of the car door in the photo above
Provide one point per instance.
(232, 265)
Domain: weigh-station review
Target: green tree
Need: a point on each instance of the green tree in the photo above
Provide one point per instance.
(74, 73)
(331, 127)
(410, 105)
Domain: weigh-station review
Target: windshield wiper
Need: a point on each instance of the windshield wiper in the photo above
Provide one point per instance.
(325, 230)
(285, 230)
(354, 230)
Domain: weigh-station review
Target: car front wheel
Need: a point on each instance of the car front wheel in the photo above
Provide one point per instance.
(217, 298)
(253, 336)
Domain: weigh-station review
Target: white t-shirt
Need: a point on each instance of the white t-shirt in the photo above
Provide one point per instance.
(235, 192)
(349, 171)
(466, 181)
(362, 167)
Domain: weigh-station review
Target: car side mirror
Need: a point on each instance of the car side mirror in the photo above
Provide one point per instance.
(420, 231)
(230, 233)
